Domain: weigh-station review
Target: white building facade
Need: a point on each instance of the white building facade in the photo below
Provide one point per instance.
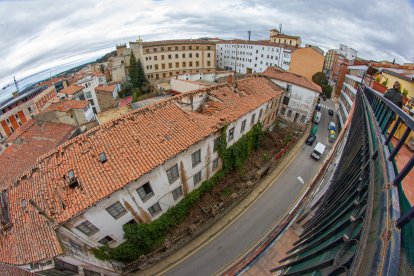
(247, 57)
(90, 82)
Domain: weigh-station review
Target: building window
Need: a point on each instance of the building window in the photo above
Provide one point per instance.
(169, 65)
(303, 118)
(169, 56)
(177, 193)
(190, 55)
(184, 65)
(66, 268)
(208, 63)
(87, 228)
(162, 57)
(283, 111)
(155, 49)
(183, 55)
(176, 48)
(197, 178)
(183, 47)
(156, 66)
(289, 88)
(243, 126)
(172, 174)
(29, 109)
(105, 240)
(208, 55)
(289, 113)
(176, 55)
(260, 113)
(177, 65)
(75, 245)
(154, 209)
(197, 55)
(116, 210)
(88, 95)
(216, 144)
(196, 158)
(231, 134)
(145, 192)
(252, 121)
(197, 64)
(88, 272)
(215, 164)
(190, 64)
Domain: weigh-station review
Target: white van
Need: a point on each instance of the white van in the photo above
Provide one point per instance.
(317, 118)
(318, 151)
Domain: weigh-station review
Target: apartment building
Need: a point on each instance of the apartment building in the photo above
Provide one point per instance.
(306, 61)
(346, 52)
(247, 57)
(17, 110)
(107, 96)
(90, 83)
(166, 58)
(300, 96)
(277, 37)
(129, 170)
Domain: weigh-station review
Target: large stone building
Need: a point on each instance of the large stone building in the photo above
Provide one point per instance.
(247, 57)
(166, 58)
(80, 195)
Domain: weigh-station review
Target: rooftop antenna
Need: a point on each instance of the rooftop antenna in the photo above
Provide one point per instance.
(280, 28)
(15, 83)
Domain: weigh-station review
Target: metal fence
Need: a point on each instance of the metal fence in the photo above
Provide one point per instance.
(390, 118)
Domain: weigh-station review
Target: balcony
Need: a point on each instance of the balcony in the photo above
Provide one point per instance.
(360, 222)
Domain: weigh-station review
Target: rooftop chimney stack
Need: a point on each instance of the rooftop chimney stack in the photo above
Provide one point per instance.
(249, 32)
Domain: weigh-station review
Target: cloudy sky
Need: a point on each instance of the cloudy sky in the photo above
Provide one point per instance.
(41, 35)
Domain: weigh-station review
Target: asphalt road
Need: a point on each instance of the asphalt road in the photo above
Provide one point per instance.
(262, 215)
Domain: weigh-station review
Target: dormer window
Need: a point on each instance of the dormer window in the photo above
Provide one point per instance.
(102, 157)
(72, 180)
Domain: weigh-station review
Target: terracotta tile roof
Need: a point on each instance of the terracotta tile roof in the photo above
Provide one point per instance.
(66, 105)
(72, 89)
(106, 88)
(9, 270)
(258, 42)
(30, 141)
(139, 140)
(280, 74)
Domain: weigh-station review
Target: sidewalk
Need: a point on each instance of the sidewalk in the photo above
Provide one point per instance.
(228, 218)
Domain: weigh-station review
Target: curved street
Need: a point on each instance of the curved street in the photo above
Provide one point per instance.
(255, 222)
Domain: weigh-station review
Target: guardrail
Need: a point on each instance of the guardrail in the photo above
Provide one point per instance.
(386, 112)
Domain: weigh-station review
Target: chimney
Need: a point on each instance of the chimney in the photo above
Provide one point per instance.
(15, 94)
(249, 32)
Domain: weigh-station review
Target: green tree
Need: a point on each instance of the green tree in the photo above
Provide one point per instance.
(141, 78)
(327, 90)
(102, 68)
(319, 78)
(405, 92)
(133, 71)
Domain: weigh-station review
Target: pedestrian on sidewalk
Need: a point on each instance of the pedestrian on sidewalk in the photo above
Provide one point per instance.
(394, 94)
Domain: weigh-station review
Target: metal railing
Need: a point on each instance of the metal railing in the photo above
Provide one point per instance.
(386, 112)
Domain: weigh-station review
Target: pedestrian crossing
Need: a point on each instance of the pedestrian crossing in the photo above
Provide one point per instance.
(324, 106)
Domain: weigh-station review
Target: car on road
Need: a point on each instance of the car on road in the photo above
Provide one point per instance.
(317, 117)
(330, 112)
(332, 126)
(318, 151)
(310, 140)
(318, 107)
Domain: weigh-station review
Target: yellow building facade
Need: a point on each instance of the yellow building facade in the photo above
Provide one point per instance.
(405, 80)
(306, 62)
(277, 37)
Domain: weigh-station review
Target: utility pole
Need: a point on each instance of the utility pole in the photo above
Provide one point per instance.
(15, 84)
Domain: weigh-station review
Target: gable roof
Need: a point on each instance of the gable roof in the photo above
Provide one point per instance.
(66, 105)
(140, 140)
(280, 74)
(72, 89)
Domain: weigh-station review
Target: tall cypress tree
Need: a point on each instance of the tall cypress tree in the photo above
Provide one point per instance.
(141, 78)
(133, 72)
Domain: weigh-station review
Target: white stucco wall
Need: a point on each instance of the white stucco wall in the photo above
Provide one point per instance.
(183, 86)
(302, 101)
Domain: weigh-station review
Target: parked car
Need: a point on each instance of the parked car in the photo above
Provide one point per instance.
(317, 117)
(332, 126)
(318, 107)
(330, 112)
(310, 140)
(318, 151)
